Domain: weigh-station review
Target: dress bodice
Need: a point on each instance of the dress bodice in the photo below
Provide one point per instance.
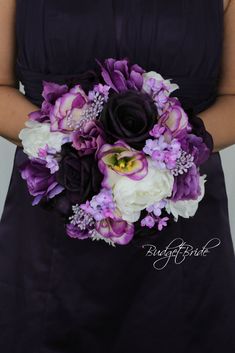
(180, 39)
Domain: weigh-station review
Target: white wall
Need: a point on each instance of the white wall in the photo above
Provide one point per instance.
(228, 158)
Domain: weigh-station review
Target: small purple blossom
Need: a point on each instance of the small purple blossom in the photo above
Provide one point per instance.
(50, 155)
(156, 208)
(100, 89)
(163, 154)
(153, 218)
(82, 224)
(162, 222)
(148, 221)
(158, 90)
(157, 131)
(101, 205)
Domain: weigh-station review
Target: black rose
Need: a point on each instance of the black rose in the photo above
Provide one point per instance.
(129, 116)
(79, 175)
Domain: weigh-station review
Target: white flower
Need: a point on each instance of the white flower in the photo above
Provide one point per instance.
(159, 80)
(186, 208)
(132, 196)
(38, 135)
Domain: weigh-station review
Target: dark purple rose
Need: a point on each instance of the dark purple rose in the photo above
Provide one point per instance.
(196, 147)
(80, 176)
(51, 91)
(129, 116)
(120, 75)
(199, 129)
(86, 79)
(90, 138)
(186, 186)
(41, 183)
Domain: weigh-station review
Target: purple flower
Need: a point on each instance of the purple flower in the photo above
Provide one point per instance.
(51, 92)
(195, 146)
(41, 183)
(162, 153)
(89, 138)
(120, 159)
(80, 176)
(157, 207)
(101, 206)
(68, 110)
(175, 119)
(119, 231)
(148, 221)
(73, 231)
(162, 222)
(129, 116)
(121, 76)
(186, 186)
(157, 131)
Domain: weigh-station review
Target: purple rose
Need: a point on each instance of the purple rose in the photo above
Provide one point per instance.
(80, 176)
(129, 116)
(121, 76)
(89, 138)
(41, 183)
(196, 147)
(51, 92)
(186, 186)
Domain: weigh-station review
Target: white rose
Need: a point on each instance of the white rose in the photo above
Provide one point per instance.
(186, 208)
(37, 135)
(157, 77)
(132, 196)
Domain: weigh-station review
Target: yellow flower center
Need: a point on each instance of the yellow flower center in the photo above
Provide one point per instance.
(124, 165)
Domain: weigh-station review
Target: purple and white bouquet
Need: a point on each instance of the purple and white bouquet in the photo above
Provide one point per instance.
(122, 152)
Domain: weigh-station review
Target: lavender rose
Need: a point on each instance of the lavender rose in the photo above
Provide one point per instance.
(129, 116)
(89, 139)
(118, 230)
(121, 76)
(80, 176)
(41, 183)
(51, 92)
(175, 119)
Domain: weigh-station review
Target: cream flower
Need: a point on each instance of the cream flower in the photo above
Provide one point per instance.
(186, 208)
(132, 196)
(152, 75)
(38, 136)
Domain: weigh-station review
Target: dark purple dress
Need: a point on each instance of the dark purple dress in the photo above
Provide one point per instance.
(65, 295)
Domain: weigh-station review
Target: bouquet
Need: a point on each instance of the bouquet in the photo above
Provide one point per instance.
(122, 152)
